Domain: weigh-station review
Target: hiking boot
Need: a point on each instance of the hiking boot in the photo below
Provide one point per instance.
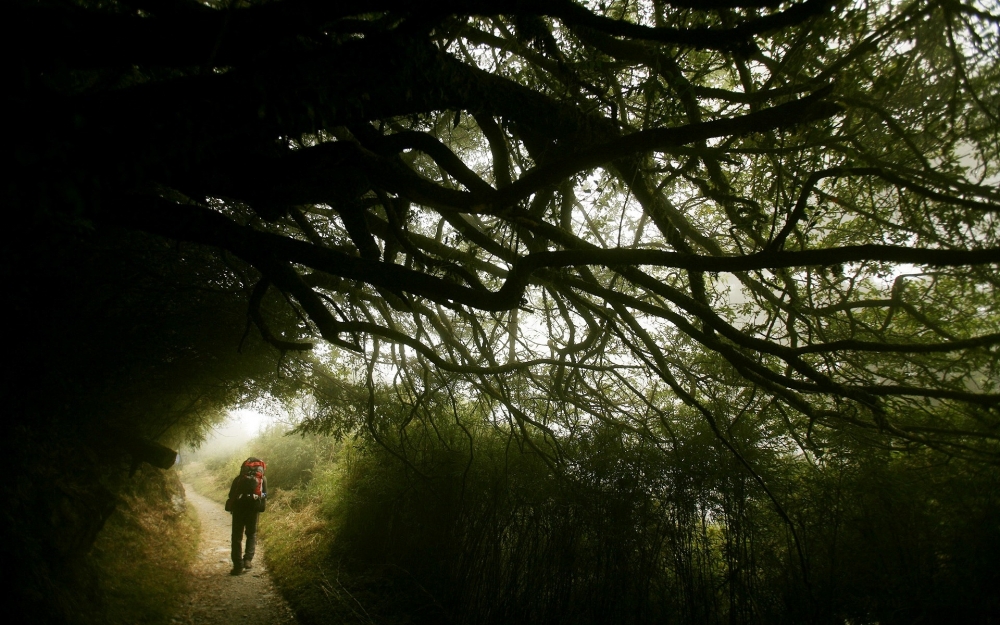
(247, 565)
(237, 569)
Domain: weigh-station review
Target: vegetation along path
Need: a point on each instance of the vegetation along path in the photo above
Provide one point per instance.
(218, 598)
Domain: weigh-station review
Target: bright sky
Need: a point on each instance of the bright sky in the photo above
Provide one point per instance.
(247, 421)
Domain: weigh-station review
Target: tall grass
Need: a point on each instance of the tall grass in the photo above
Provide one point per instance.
(453, 522)
(427, 532)
(143, 555)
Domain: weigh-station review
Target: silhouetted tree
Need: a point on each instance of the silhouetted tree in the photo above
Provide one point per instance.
(615, 213)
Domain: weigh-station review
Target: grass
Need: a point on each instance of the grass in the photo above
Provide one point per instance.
(144, 553)
(208, 482)
(298, 539)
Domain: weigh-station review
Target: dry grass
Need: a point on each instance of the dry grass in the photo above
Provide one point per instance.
(298, 538)
(209, 483)
(145, 551)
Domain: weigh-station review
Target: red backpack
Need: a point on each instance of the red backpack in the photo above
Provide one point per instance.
(252, 478)
(250, 485)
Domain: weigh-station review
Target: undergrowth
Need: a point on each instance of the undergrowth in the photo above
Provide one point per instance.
(419, 529)
(144, 553)
(297, 538)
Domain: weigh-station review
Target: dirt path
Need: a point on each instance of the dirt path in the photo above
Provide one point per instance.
(218, 598)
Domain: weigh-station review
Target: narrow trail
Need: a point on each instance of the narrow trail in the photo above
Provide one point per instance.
(218, 598)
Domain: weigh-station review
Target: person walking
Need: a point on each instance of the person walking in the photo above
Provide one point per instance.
(247, 499)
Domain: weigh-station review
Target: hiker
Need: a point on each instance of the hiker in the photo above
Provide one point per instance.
(247, 498)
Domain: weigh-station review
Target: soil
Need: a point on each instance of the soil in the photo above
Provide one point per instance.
(218, 598)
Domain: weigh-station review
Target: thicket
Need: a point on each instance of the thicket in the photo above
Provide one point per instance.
(448, 519)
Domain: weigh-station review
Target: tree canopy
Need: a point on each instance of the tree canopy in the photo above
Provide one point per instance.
(603, 230)
(579, 213)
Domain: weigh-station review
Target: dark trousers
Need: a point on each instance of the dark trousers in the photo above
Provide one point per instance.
(244, 521)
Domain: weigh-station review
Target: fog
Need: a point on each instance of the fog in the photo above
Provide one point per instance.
(241, 425)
